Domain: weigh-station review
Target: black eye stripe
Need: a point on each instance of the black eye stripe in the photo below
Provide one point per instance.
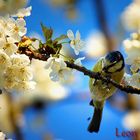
(108, 67)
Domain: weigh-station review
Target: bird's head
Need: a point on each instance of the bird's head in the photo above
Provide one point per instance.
(113, 62)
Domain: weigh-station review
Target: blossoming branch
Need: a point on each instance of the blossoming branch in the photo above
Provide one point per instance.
(17, 51)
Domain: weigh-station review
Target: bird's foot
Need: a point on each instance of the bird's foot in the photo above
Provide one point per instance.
(106, 85)
(96, 80)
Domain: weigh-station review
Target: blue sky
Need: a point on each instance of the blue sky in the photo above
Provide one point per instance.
(86, 22)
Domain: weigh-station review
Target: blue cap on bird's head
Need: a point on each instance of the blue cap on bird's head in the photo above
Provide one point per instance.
(114, 60)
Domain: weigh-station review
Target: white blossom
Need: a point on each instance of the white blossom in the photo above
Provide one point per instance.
(25, 86)
(8, 45)
(78, 61)
(24, 12)
(4, 63)
(18, 29)
(135, 81)
(126, 79)
(75, 41)
(4, 60)
(6, 23)
(59, 71)
(132, 49)
(17, 73)
(20, 63)
(49, 62)
(132, 80)
(9, 79)
(2, 33)
(13, 28)
(20, 60)
(23, 73)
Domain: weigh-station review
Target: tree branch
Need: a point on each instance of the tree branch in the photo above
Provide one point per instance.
(128, 89)
(85, 71)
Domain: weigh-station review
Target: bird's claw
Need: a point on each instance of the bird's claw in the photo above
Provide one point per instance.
(95, 82)
(106, 84)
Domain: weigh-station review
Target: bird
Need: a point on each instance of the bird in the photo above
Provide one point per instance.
(110, 66)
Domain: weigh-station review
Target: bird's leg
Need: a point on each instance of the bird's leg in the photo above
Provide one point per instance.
(96, 80)
(106, 85)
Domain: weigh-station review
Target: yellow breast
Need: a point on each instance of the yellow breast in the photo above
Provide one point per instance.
(101, 91)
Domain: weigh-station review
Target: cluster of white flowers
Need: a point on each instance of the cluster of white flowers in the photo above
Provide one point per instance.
(59, 69)
(131, 16)
(15, 72)
(3, 136)
(133, 80)
(132, 49)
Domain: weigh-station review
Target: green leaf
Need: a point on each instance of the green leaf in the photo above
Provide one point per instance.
(48, 32)
(60, 38)
(50, 45)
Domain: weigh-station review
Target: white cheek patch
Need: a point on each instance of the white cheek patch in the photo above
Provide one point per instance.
(116, 67)
(103, 62)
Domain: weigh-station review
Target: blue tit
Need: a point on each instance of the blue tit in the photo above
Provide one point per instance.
(111, 66)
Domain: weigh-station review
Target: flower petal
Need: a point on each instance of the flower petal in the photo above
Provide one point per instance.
(78, 61)
(78, 36)
(65, 73)
(21, 22)
(54, 76)
(49, 62)
(76, 52)
(70, 34)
